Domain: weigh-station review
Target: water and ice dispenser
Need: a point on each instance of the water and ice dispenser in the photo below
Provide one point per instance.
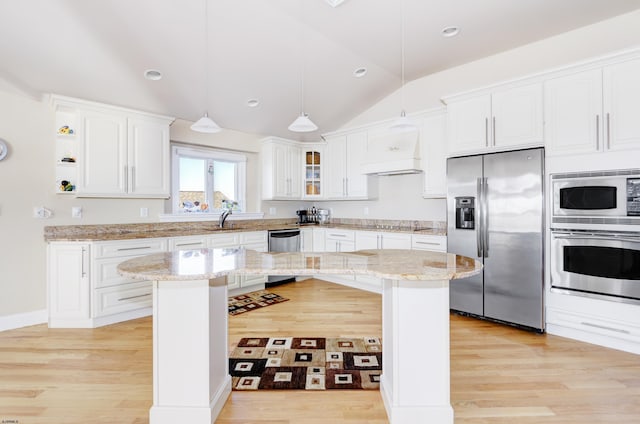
(465, 213)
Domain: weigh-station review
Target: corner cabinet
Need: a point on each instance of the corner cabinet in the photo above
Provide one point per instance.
(593, 110)
(281, 179)
(119, 152)
(502, 118)
(344, 177)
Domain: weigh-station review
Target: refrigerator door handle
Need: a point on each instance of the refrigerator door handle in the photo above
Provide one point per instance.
(485, 217)
(478, 219)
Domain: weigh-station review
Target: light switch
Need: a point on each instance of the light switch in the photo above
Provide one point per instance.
(76, 212)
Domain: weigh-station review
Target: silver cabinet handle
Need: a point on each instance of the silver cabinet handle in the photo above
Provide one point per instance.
(126, 179)
(122, 249)
(608, 131)
(429, 243)
(133, 179)
(346, 186)
(134, 297)
(188, 244)
(493, 130)
(83, 272)
(337, 235)
(597, 132)
(596, 237)
(486, 132)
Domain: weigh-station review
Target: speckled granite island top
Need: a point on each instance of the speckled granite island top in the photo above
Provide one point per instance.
(201, 264)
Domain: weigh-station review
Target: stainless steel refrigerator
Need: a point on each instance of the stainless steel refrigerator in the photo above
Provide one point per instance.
(495, 207)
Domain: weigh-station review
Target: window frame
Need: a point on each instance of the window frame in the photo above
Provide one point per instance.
(203, 152)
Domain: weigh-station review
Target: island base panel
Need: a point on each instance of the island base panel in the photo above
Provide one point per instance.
(190, 360)
(415, 381)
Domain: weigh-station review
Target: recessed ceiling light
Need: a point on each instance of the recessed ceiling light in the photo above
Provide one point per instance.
(360, 72)
(253, 102)
(450, 31)
(335, 3)
(153, 74)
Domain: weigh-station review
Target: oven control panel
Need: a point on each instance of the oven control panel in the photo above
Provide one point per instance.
(633, 196)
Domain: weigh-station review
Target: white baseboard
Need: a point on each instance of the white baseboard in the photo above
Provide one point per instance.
(25, 319)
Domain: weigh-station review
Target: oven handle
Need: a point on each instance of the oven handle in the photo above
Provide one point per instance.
(569, 236)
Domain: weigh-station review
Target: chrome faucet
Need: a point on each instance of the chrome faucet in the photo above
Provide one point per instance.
(223, 217)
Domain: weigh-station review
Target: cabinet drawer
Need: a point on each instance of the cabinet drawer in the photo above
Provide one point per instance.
(224, 240)
(129, 248)
(105, 273)
(258, 247)
(122, 298)
(185, 243)
(253, 237)
(342, 235)
(425, 242)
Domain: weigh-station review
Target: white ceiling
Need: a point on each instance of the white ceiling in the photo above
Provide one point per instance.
(98, 50)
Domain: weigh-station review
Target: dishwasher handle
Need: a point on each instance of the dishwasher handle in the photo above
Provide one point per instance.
(284, 233)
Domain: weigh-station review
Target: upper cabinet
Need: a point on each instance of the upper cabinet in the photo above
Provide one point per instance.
(118, 152)
(433, 148)
(495, 120)
(344, 177)
(281, 166)
(313, 160)
(594, 110)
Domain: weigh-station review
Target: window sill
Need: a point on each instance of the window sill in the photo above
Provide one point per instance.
(186, 217)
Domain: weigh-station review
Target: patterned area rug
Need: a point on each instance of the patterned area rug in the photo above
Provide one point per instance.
(307, 363)
(254, 300)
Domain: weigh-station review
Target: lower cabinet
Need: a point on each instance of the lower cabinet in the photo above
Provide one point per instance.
(337, 240)
(85, 289)
(429, 242)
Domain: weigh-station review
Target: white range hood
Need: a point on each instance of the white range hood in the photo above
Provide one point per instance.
(390, 153)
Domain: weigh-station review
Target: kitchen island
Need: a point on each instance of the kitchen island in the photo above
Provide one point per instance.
(191, 380)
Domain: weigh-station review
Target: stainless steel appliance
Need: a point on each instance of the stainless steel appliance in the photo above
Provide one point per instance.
(283, 241)
(599, 264)
(307, 216)
(324, 216)
(495, 215)
(602, 197)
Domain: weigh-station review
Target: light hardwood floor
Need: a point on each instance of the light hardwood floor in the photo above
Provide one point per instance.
(499, 374)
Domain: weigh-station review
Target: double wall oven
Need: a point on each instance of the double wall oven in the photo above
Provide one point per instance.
(595, 234)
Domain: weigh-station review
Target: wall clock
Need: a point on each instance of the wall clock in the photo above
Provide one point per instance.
(4, 149)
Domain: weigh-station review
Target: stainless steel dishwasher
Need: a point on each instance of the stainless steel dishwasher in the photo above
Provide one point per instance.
(283, 241)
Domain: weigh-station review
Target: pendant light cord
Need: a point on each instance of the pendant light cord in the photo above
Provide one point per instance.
(206, 56)
(402, 54)
(302, 58)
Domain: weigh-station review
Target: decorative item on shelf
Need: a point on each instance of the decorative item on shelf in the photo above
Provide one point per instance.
(66, 186)
(65, 130)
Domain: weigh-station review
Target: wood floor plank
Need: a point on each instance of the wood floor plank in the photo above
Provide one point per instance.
(499, 375)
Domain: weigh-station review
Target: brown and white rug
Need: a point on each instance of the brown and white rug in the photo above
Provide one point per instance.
(306, 363)
(254, 300)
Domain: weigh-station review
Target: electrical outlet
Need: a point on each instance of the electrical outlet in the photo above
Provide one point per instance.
(272, 211)
(76, 212)
(144, 212)
(366, 210)
(41, 212)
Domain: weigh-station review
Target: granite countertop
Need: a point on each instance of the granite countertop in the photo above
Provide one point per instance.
(199, 264)
(110, 232)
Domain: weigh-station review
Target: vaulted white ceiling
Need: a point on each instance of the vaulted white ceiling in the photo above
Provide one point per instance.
(99, 50)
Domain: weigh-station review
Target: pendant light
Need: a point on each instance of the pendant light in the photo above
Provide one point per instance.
(206, 124)
(402, 123)
(302, 123)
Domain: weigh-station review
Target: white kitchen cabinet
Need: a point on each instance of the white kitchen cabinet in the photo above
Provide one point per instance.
(258, 241)
(313, 159)
(621, 103)
(188, 242)
(337, 240)
(116, 152)
(69, 286)
(306, 240)
(500, 119)
(382, 240)
(115, 298)
(319, 242)
(281, 169)
(433, 148)
(429, 242)
(344, 177)
(594, 110)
